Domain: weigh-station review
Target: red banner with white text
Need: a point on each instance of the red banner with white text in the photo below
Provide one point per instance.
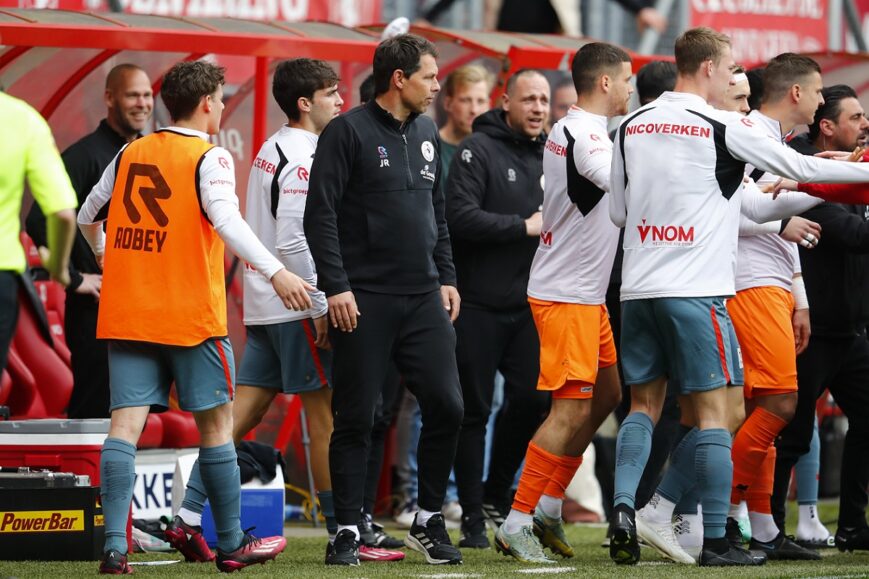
(863, 18)
(346, 12)
(761, 29)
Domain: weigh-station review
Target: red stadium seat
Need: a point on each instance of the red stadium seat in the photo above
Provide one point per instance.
(24, 399)
(5, 387)
(30, 251)
(179, 430)
(53, 298)
(60, 347)
(152, 435)
(50, 371)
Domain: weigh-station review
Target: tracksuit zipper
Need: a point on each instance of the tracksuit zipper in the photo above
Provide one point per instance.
(407, 162)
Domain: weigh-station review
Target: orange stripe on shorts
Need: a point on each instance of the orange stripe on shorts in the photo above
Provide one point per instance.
(722, 353)
(222, 354)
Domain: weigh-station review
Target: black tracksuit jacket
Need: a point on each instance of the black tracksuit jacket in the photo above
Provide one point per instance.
(374, 218)
(836, 272)
(494, 185)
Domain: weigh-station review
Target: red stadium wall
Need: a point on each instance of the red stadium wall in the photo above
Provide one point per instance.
(348, 13)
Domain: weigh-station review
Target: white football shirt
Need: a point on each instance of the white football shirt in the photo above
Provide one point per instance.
(578, 241)
(276, 194)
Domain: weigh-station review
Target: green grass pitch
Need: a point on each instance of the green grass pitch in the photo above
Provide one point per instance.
(305, 550)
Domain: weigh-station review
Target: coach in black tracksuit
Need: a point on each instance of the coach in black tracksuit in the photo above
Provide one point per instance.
(836, 275)
(374, 221)
(494, 186)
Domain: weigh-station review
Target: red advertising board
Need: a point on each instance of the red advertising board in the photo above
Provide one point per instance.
(761, 29)
(346, 12)
(863, 17)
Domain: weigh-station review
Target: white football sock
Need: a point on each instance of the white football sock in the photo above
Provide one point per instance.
(423, 516)
(353, 528)
(763, 527)
(810, 526)
(550, 506)
(189, 517)
(516, 520)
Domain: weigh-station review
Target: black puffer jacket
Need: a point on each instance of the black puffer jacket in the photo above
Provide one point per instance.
(495, 184)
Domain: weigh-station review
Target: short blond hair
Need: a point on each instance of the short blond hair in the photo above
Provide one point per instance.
(465, 75)
(696, 46)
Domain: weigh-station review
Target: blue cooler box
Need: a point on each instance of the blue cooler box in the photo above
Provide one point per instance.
(262, 505)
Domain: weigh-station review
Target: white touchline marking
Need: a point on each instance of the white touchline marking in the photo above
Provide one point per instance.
(653, 563)
(451, 575)
(153, 563)
(546, 570)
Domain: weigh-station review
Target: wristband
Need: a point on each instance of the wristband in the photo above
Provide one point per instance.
(784, 223)
(798, 289)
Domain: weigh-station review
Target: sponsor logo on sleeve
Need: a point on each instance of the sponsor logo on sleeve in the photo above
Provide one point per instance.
(555, 148)
(427, 174)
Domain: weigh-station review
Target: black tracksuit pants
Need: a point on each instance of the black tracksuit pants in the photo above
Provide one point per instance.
(90, 359)
(383, 415)
(9, 284)
(487, 341)
(415, 332)
(842, 365)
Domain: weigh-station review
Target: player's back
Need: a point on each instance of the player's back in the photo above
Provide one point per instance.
(682, 195)
(578, 241)
(768, 259)
(277, 186)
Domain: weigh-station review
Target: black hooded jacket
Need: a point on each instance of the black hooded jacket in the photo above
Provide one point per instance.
(495, 183)
(836, 272)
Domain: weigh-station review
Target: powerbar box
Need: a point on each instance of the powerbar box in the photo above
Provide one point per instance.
(50, 516)
(47, 515)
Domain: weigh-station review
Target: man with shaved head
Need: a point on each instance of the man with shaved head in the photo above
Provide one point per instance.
(493, 196)
(129, 102)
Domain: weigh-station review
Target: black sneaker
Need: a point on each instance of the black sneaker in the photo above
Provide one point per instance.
(344, 550)
(732, 557)
(114, 563)
(853, 539)
(372, 535)
(433, 542)
(732, 533)
(474, 532)
(784, 548)
(624, 549)
(828, 543)
(494, 514)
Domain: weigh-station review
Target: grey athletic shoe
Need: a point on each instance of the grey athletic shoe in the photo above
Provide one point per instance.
(522, 546)
(551, 534)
